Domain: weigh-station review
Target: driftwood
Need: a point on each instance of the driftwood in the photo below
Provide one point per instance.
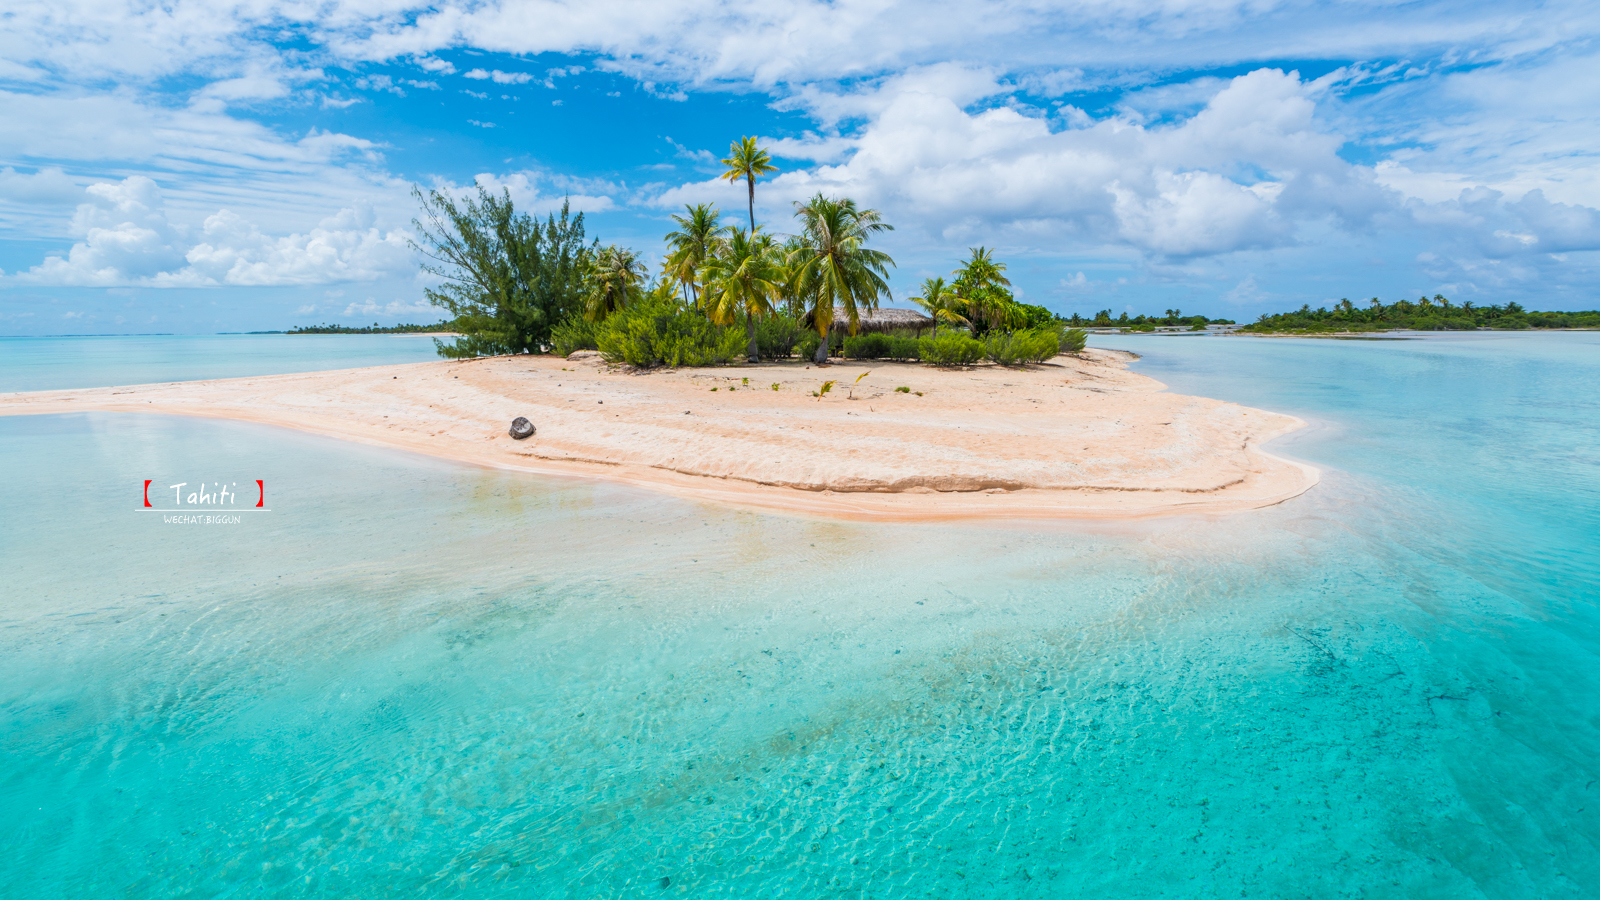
(521, 428)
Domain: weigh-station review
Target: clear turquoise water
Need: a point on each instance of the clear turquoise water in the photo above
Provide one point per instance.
(56, 363)
(412, 679)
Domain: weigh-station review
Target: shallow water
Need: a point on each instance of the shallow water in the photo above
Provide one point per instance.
(60, 363)
(410, 678)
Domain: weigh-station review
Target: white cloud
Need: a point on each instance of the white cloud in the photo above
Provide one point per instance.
(435, 65)
(585, 195)
(500, 77)
(1239, 174)
(127, 239)
(393, 309)
(46, 185)
(379, 83)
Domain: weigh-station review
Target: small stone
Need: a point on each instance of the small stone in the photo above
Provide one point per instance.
(665, 882)
(521, 428)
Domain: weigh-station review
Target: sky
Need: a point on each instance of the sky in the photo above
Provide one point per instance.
(196, 166)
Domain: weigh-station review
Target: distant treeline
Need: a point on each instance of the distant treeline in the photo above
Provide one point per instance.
(1174, 317)
(1423, 314)
(374, 328)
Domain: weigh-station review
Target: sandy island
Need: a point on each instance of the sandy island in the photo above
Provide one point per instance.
(1080, 437)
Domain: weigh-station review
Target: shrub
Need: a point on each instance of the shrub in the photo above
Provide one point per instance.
(776, 337)
(950, 349)
(866, 346)
(1033, 345)
(1073, 340)
(902, 349)
(664, 333)
(576, 333)
(807, 347)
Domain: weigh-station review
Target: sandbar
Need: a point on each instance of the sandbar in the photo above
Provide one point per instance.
(1078, 437)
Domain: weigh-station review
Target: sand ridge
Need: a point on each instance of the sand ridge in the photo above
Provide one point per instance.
(1079, 437)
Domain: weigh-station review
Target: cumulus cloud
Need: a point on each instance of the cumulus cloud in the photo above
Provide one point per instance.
(584, 195)
(1239, 174)
(126, 238)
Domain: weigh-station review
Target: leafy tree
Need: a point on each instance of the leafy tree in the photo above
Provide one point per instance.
(743, 280)
(746, 160)
(941, 302)
(834, 267)
(985, 291)
(789, 256)
(615, 278)
(507, 279)
(696, 240)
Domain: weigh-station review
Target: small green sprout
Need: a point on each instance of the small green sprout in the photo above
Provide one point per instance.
(902, 390)
(774, 385)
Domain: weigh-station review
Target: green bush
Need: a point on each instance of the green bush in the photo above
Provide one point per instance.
(902, 349)
(1032, 345)
(662, 333)
(776, 337)
(576, 333)
(950, 349)
(866, 346)
(806, 349)
(1073, 340)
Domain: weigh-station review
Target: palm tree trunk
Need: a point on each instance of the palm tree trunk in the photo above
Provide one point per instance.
(751, 181)
(750, 329)
(822, 348)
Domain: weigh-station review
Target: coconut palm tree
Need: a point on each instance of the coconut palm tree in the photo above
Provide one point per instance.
(743, 280)
(982, 284)
(614, 282)
(696, 239)
(746, 160)
(834, 267)
(941, 302)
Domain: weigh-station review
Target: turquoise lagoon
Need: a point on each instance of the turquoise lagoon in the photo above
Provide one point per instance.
(415, 679)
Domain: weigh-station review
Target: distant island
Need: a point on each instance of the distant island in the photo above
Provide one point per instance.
(1424, 314)
(374, 328)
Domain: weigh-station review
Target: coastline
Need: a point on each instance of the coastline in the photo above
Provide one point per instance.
(1080, 437)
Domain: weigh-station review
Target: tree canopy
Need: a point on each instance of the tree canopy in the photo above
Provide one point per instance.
(507, 278)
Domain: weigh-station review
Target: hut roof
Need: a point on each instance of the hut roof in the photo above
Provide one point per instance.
(878, 319)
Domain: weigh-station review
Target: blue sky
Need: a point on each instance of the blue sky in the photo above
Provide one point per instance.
(204, 166)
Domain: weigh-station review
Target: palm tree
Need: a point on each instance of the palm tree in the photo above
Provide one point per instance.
(833, 267)
(941, 302)
(794, 303)
(982, 284)
(693, 243)
(743, 279)
(746, 160)
(614, 282)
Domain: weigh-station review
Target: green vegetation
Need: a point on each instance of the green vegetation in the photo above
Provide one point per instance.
(375, 328)
(1033, 345)
(519, 285)
(746, 160)
(662, 333)
(833, 267)
(1174, 317)
(507, 279)
(950, 349)
(1425, 314)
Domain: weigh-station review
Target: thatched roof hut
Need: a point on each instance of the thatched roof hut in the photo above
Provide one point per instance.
(880, 320)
